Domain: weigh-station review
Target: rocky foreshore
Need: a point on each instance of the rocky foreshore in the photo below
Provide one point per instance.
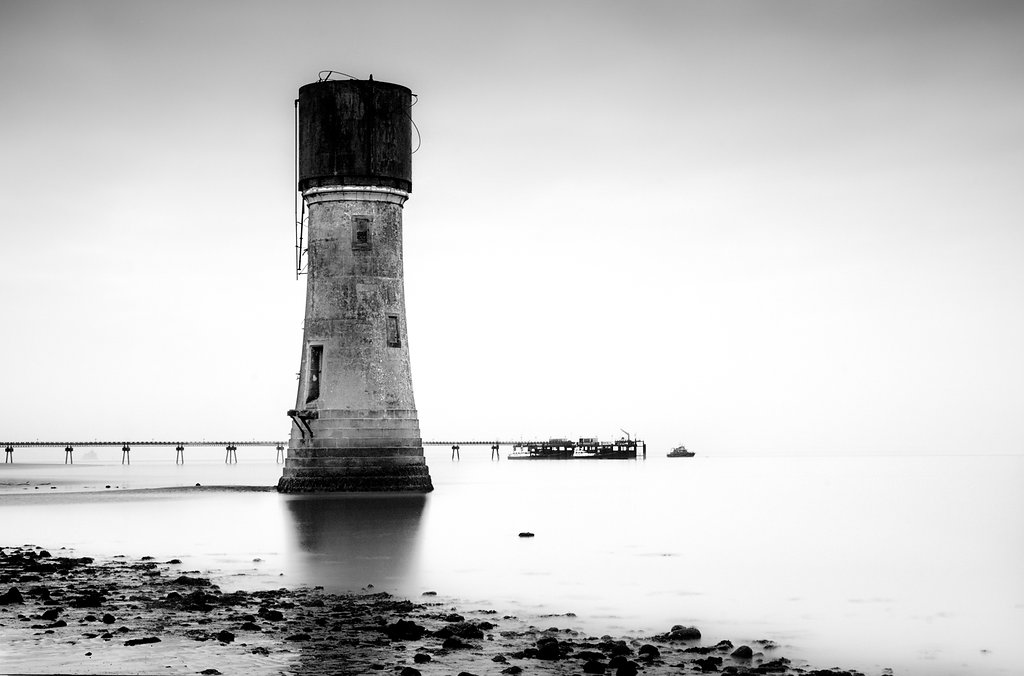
(60, 613)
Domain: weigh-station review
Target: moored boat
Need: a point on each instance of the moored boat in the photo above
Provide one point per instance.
(680, 452)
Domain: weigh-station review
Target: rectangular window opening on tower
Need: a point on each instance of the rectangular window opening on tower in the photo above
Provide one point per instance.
(361, 233)
(316, 356)
(394, 339)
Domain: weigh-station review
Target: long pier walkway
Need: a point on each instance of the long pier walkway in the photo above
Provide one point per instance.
(230, 447)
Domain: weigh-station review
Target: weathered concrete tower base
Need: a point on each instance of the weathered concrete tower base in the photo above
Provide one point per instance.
(354, 425)
(358, 451)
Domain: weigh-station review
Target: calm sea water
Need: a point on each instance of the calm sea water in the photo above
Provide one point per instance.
(909, 563)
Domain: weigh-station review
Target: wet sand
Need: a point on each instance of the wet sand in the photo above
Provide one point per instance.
(65, 614)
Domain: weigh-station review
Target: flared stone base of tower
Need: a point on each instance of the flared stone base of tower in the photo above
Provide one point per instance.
(357, 451)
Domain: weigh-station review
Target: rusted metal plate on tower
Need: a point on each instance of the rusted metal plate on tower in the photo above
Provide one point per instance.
(355, 132)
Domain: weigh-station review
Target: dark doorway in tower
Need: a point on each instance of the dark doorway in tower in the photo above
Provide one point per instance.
(394, 340)
(316, 355)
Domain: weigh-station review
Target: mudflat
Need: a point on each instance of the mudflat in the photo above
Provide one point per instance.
(62, 613)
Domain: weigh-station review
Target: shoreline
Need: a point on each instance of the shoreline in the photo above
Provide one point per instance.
(62, 613)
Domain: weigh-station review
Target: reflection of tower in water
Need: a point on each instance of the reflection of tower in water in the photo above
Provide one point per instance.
(348, 541)
(355, 425)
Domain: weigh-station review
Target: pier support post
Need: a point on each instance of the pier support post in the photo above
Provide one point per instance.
(68, 457)
(280, 454)
(230, 455)
(126, 454)
(495, 452)
(9, 455)
(455, 452)
(179, 455)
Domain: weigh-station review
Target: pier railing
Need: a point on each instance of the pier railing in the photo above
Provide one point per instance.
(230, 447)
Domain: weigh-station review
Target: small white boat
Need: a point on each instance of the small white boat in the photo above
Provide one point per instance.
(681, 452)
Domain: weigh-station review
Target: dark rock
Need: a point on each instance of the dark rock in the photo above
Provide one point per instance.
(460, 629)
(699, 649)
(260, 650)
(404, 630)
(225, 636)
(775, 666)
(744, 652)
(251, 626)
(681, 633)
(466, 673)
(409, 671)
(526, 534)
(648, 651)
(142, 641)
(617, 661)
(630, 668)
(550, 648)
(11, 596)
(197, 600)
(708, 663)
(91, 599)
(430, 593)
(52, 614)
(40, 592)
(590, 655)
(721, 646)
(593, 667)
(614, 648)
(109, 619)
(500, 658)
(270, 615)
(210, 672)
(298, 637)
(455, 643)
(454, 617)
(421, 658)
(192, 581)
(512, 670)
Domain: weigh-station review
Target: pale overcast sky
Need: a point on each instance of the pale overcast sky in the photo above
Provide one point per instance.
(751, 227)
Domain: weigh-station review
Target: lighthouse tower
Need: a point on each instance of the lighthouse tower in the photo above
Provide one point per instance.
(354, 425)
